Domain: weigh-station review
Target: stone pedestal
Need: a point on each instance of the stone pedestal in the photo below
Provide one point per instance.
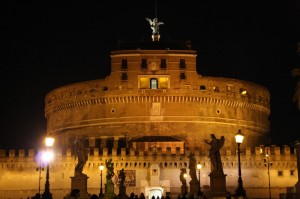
(194, 187)
(109, 190)
(122, 193)
(183, 189)
(217, 186)
(79, 187)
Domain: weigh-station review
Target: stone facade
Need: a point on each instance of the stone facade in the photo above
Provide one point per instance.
(154, 90)
(154, 93)
(148, 170)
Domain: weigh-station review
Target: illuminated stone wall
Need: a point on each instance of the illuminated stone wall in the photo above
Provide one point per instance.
(191, 107)
(19, 178)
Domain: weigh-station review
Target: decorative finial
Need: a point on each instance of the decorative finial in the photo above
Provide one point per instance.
(154, 24)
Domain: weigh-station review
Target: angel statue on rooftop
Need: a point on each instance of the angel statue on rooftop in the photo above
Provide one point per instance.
(154, 24)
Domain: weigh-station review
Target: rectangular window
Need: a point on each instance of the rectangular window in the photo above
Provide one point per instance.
(182, 64)
(153, 83)
(182, 76)
(124, 76)
(280, 173)
(144, 82)
(144, 64)
(163, 63)
(163, 82)
(202, 87)
(292, 172)
(124, 64)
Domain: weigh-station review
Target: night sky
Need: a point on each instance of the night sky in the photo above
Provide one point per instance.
(45, 46)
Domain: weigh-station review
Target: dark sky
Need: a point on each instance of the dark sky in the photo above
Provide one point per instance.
(45, 46)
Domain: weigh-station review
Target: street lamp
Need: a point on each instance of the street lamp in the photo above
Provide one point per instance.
(47, 157)
(268, 163)
(185, 187)
(101, 167)
(240, 191)
(39, 169)
(199, 166)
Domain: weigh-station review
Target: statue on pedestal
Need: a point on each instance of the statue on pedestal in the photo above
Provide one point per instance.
(214, 153)
(194, 183)
(109, 186)
(110, 170)
(183, 181)
(217, 176)
(122, 187)
(81, 153)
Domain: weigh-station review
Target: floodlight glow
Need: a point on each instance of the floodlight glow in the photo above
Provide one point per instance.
(239, 137)
(47, 156)
(49, 141)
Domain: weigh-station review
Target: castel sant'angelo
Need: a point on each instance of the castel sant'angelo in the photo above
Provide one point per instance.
(148, 116)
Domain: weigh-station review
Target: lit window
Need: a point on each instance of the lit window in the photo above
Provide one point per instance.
(144, 82)
(216, 89)
(153, 83)
(243, 91)
(163, 82)
(230, 88)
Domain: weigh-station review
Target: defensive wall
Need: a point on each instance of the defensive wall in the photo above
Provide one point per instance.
(20, 170)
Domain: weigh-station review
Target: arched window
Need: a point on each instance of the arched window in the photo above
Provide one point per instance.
(153, 83)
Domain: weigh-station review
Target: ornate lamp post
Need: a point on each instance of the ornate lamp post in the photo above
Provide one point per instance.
(47, 156)
(268, 163)
(199, 166)
(101, 195)
(185, 187)
(240, 191)
(39, 169)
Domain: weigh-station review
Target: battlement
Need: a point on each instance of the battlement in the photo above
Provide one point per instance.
(272, 150)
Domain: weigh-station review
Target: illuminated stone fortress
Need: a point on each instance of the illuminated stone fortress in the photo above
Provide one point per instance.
(148, 116)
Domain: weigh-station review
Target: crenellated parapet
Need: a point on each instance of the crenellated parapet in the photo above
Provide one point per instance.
(280, 156)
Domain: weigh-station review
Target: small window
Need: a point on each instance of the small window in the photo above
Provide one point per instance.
(124, 76)
(163, 63)
(105, 88)
(216, 89)
(243, 92)
(182, 64)
(202, 87)
(182, 76)
(124, 64)
(153, 83)
(144, 64)
(230, 88)
(280, 173)
(292, 172)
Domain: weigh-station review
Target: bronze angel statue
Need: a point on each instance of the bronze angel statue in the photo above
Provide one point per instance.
(154, 24)
(214, 153)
